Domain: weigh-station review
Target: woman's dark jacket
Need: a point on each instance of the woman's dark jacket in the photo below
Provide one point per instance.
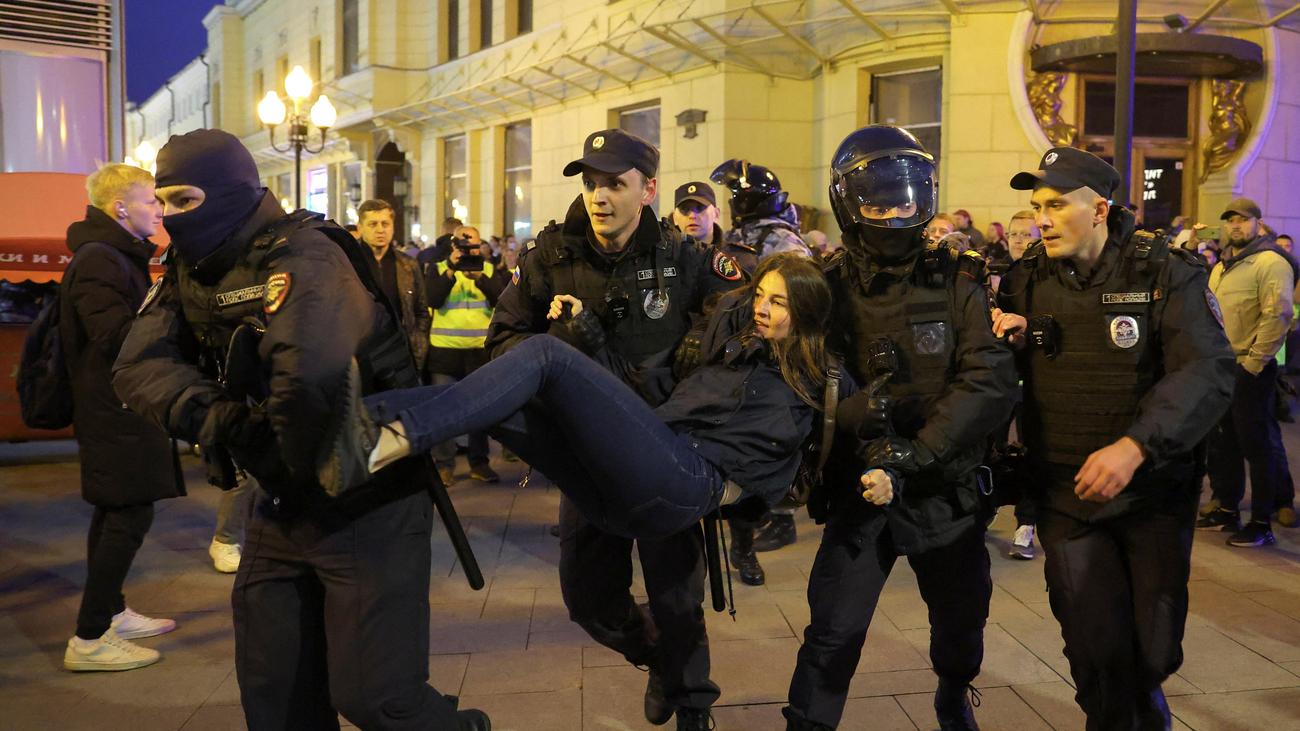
(737, 411)
(125, 460)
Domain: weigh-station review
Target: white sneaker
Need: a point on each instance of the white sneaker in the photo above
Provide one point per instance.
(1022, 545)
(132, 626)
(109, 652)
(225, 556)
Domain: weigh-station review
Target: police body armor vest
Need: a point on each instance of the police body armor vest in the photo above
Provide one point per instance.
(227, 317)
(462, 321)
(919, 323)
(656, 288)
(1108, 354)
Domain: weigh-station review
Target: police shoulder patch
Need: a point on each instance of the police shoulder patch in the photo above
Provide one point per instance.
(277, 291)
(152, 294)
(725, 267)
(1213, 303)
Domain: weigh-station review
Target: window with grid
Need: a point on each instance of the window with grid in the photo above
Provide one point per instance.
(912, 100)
(455, 177)
(519, 179)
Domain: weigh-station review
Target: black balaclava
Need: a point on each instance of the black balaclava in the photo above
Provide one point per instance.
(222, 167)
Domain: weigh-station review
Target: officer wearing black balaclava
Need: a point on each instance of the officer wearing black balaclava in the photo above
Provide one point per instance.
(902, 477)
(249, 344)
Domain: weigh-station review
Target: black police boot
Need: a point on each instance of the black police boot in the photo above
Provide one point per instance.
(776, 533)
(694, 719)
(742, 553)
(473, 720)
(953, 706)
(657, 708)
(794, 723)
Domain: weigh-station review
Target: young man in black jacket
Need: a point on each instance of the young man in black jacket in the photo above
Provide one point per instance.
(126, 463)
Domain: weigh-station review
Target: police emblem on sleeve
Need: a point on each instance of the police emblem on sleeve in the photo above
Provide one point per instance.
(277, 291)
(156, 287)
(655, 303)
(1124, 332)
(1213, 303)
(725, 267)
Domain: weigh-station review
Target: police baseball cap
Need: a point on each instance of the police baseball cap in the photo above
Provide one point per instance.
(701, 193)
(615, 151)
(1067, 169)
(1241, 207)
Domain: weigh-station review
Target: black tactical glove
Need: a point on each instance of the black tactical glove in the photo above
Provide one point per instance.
(220, 467)
(583, 331)
(687, 356)
(866, 414)
(228, 423)
(750, 509)
(898, 455)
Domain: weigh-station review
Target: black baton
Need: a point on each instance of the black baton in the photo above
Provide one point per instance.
(456, 532)
(714, 562)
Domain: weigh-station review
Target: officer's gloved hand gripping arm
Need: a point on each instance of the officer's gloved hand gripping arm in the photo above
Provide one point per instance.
(156, 373)
(975, 401)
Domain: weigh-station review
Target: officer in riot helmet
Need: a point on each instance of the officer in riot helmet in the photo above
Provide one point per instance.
(762, 217)
(903, 478)
(1126, 371)
(227, 352)
(764, 223)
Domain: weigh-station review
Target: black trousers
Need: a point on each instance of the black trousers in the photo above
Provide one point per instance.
(330, 620)
(1118, 587)
(444, 367)
(596, 578)
(1249, 433)
(596, 574)
(115, 536)
(850, 571)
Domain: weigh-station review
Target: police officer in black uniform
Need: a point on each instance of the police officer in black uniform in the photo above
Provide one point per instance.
(331, 603)
(695, 213)
(1126, 371)
(914, 328)
(639, 286)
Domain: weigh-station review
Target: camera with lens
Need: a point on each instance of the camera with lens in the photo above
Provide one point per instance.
(471, 257)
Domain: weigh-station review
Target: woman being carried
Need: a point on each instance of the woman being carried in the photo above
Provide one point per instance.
(732, 429)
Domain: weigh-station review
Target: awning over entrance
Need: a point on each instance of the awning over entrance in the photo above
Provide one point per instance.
(1158, 54)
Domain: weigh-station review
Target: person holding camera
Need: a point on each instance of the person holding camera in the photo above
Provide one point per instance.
(462, 291)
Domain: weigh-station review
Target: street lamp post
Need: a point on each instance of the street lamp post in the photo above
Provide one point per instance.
(272, 112)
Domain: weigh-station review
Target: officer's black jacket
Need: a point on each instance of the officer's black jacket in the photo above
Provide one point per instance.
(736, 409)
(639, 349)
(1194, 365)
(953, 417)
(326, 318)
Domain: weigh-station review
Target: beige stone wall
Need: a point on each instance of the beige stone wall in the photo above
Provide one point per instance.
(788, 125)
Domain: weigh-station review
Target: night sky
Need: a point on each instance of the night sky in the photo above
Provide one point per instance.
(161, 37)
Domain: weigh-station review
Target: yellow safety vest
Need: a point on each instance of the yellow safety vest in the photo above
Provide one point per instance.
(462, 321)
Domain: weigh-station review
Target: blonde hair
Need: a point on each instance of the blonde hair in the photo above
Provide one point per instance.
(112, 181)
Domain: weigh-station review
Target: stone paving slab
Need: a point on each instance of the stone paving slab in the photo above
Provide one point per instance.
(511, 649)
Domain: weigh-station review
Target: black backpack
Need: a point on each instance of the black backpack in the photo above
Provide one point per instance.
(44, 383)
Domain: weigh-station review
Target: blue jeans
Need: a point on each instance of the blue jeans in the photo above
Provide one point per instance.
(607, 451)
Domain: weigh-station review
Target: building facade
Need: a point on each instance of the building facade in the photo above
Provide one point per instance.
(472, 107)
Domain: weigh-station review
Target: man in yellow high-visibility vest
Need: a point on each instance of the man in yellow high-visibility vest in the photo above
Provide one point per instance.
(462, 291)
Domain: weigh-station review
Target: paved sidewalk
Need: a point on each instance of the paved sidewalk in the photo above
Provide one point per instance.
(511, 650)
